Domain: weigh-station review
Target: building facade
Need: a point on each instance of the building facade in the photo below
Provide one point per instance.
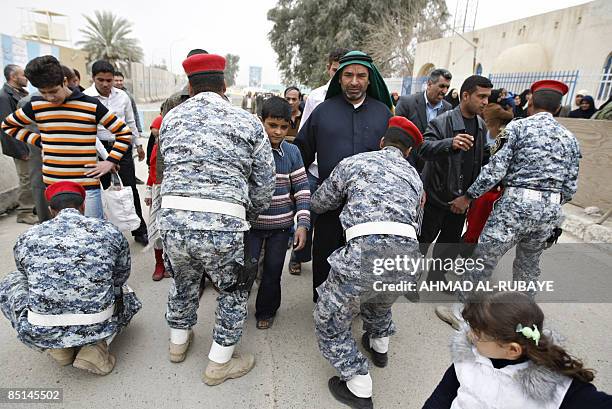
(571, 44)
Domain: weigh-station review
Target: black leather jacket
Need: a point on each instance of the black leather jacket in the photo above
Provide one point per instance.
(443, 174)
(8, 104)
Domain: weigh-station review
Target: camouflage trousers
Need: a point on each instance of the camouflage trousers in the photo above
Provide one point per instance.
(188, 254)
(14, 304)
(515, 222)
(338, 304)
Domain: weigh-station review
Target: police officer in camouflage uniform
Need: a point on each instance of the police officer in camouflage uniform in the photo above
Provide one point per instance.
(219, 175)
(170, 103)
(538, 168)
(69, 294)
(382, 192)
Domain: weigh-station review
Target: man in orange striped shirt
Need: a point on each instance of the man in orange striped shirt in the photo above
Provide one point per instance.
(68, 121)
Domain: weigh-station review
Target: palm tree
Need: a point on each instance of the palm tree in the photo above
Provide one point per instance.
(106, 38)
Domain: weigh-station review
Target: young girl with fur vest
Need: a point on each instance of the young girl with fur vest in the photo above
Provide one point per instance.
(503, 359)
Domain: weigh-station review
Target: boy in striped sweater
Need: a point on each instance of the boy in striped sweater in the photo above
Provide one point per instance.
(291, 198)
(67, 121)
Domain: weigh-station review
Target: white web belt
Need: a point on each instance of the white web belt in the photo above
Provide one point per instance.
(390, 228)
(534, 195)
(60, 320)
(203, 205)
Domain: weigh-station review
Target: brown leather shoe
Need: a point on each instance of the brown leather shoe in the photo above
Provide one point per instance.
(95, 359)
(447, 314)
(236, 367)
(27, 218)
(63, 356)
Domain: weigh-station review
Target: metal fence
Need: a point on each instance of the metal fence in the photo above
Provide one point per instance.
(516, 82)
(412, 85)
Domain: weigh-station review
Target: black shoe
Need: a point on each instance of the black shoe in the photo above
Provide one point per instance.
(342, 394)
(142, 239)
(139, 182)
(380, 360)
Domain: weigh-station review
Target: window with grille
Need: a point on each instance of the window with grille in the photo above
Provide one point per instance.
(605, 84)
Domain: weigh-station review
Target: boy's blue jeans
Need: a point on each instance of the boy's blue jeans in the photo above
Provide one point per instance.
(274, 243)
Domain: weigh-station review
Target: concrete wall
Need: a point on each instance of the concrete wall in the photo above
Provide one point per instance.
(76, 59)
(594, 187)
(574, 38)
(152, 84)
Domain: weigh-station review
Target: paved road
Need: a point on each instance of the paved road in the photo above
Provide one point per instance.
(290, 372)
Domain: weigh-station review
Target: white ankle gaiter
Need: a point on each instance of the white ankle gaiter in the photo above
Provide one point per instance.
(220, 354)
(110, 339)
(360, 385)
(380, 345)
(179, 336)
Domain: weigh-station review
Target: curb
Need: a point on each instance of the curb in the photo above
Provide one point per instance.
(585, 227)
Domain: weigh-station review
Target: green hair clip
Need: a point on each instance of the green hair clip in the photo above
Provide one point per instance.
(529, 333)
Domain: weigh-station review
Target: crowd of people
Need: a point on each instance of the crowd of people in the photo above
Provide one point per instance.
(355, 170)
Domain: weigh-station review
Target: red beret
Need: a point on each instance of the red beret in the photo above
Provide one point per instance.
(408, 128)
(204, 63)
(552, 85)
(64, 187)
(156, 122)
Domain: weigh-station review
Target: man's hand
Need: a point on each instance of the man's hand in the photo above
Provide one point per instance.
(148, 201)
(299, 238)
(460, 204)
(141, 153)
(423, 199)
(100, 169)
(463, 141)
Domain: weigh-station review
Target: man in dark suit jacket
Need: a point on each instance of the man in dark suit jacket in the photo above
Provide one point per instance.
(10, 94)
(422, 107)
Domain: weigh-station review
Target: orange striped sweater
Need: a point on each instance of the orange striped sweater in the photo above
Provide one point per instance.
(68, 135)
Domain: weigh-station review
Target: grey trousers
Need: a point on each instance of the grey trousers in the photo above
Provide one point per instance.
(38, 186)
(25, 202)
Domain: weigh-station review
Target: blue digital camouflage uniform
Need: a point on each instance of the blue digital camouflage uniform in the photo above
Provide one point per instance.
(71, 264)
(539, 154)
(375, 186)
(214, 151)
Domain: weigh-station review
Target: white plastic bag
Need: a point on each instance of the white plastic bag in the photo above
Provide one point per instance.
(118, 205)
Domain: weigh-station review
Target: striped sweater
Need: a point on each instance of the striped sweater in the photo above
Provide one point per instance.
(68, 135)
(291, 180)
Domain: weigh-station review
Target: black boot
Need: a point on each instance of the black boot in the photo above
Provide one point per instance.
(342, 394)
(380, 360)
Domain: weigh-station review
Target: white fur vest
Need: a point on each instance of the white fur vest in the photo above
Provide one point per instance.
(521, 386)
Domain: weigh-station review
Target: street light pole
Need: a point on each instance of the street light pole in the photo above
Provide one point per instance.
(172, 45)
(473, 45)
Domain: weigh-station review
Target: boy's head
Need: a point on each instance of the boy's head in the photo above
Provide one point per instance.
(46, 74)
(276, 116)
(103, 74)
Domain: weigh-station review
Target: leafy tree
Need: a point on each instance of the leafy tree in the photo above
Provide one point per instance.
(106, 37)
(231, 69)
(392, 43)
(305, 31)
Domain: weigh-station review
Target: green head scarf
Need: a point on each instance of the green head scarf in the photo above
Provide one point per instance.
(377, 88)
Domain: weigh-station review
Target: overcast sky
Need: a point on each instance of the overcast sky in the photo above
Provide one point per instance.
(169, 29)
